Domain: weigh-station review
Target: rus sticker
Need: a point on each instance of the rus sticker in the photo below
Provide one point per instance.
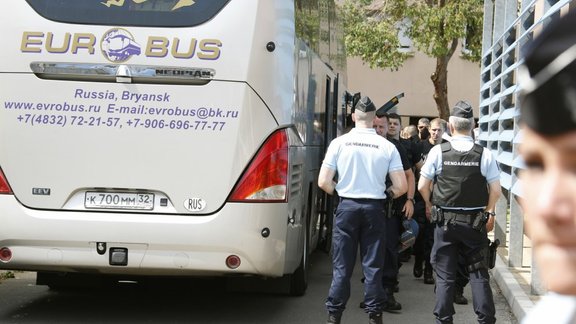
(195, 204)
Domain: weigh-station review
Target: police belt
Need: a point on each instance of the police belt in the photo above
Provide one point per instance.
(364, 200)
(461, 216)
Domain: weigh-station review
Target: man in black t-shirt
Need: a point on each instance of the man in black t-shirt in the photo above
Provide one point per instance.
(401, 207)
(425, 238)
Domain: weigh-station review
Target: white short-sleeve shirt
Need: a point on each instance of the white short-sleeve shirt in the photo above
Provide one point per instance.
(433, 165)
(362, 159)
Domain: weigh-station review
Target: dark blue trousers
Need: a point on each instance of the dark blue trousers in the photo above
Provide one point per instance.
(450, 242)
(357, 222)
(425, 239)
(391, 266)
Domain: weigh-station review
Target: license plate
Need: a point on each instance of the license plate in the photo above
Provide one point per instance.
(119, 200)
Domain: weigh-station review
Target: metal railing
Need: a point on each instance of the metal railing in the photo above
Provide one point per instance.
(508, 26)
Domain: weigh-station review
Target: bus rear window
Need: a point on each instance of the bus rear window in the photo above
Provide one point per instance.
(149, 13)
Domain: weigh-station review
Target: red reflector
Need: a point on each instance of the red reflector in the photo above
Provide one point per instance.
(5, 254)
(4, 187)
(266, 177)
(233, 261)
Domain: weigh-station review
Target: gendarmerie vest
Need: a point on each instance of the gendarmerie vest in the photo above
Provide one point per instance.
(460, 183)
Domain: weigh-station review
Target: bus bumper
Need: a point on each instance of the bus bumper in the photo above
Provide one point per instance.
(156, 245)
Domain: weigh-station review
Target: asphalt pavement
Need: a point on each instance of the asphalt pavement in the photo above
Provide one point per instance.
(209, 302)
(417, 299)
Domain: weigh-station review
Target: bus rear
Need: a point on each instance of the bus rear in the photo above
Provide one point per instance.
(151, 138)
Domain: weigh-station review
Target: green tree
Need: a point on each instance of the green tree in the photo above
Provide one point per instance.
(434, 26)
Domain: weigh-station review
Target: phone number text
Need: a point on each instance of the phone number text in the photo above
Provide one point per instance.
(117, 122)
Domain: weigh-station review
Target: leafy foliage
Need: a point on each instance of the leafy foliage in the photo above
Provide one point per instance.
(434, 26)
(371, 36)
(372, 28)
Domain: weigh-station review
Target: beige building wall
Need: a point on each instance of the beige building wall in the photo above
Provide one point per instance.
(413, 78)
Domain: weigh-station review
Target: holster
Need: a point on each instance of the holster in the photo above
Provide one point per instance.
(491, 254)
(437, 215)
(394, 207)
(480, 221)
(485, 258)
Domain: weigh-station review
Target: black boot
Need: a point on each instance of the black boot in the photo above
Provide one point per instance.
(428, 276)
(459, 296)
(418, 264)
(391, 305)
(333, 318)
(375, 318)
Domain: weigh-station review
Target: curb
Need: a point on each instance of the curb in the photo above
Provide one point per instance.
(519, 301)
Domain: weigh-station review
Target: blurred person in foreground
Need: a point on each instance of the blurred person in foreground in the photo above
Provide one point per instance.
(548, 117)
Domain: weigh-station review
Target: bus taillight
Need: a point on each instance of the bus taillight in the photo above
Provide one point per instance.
(4, 187)
(5, 254)
(266, 177)
(233, 261)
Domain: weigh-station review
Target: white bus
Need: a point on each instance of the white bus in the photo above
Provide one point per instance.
(166, 137)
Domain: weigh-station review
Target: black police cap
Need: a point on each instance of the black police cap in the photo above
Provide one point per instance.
(548, 96)
(365, 105)
(462, 109)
